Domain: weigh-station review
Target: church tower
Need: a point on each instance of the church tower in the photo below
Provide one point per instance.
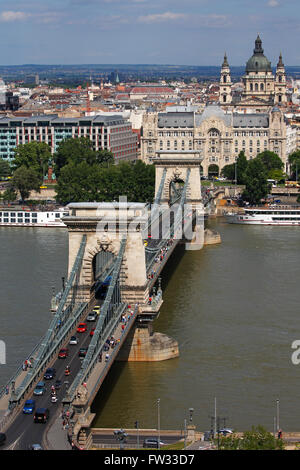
(225, 95)
(280, 83)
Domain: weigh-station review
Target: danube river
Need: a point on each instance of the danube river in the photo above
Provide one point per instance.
(234, 309)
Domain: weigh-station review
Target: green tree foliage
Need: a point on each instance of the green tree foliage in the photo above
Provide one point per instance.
(256, 439)
(228, 171)
(294, 161)
(9, 195)
(34, 156)
(4, 168)
(241, 167)
(25, 180)
(84, 182)
(77, 150)
(255, 179)
(271, 162)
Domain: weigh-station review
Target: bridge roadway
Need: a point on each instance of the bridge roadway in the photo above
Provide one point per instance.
(23, 432)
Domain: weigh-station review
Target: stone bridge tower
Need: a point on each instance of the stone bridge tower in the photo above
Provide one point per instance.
(176, 165)
(104, 225)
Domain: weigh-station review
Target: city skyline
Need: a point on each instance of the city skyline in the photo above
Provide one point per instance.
(143, 32)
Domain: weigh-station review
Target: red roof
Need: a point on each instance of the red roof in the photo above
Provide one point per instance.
(152, 90)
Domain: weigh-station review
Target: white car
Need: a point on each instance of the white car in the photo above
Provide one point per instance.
(91, 316)
(73, 340)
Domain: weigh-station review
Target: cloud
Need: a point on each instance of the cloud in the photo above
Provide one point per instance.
(208, 21)
(273, 3)
(11, 16)
(160, 17)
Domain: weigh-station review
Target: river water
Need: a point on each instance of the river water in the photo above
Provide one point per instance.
(233, 308)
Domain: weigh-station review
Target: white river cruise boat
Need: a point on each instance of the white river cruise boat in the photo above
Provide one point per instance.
(12, 217)
(271, 215)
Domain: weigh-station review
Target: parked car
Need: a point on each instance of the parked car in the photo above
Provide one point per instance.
(82, 327)
(73, 340)
(41, 415)
(225, 431)
(91, 316)
(29, 407)
(39, 389)
(50, 373)
(153, 443)
(63, 353)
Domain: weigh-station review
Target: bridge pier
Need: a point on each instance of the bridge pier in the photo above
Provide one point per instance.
(144, 345)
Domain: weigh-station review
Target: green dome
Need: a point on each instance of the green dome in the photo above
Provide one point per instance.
(258, 62)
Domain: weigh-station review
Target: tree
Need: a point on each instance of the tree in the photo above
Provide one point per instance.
(255, 179)
(9, 195)
(271, 162)
(78, 150)
(4, 168)
(294, 161)
(241, 167)
(34, 155)
(25, 180)
(83, 182)
(228, 171)
(256, 439)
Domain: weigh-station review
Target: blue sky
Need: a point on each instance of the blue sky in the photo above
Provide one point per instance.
(187, 32)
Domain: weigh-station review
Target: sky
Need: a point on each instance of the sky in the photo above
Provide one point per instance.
(179, 32)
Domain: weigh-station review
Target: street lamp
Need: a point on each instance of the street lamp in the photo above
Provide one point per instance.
(158, 421)
(277, 406)
(137, 435)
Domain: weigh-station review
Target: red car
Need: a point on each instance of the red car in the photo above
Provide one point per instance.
(63, 353)
(82, 327)
(92, 331)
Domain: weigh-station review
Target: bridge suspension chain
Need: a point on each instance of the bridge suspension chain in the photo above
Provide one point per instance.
(59, 326)
(108, 320)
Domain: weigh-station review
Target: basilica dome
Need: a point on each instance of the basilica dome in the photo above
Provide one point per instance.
(258, 62)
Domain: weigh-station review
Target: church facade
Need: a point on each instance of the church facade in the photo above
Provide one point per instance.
(262, 88)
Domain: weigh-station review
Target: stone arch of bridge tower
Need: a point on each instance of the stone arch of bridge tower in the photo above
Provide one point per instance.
(175, 175)
(94, 247)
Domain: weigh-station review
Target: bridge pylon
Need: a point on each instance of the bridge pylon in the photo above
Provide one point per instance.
(104, 225)
(176, 167)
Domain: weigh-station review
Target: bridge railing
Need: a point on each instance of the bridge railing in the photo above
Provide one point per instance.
(109, 316)
(170, 231)
(59, 327)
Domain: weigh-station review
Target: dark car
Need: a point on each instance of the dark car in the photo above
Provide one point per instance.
(82, 352)
(50, 374)
(41, 415)
(58, 384)
(2, 438)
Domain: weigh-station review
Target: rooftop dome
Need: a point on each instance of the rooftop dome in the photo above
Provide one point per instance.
(258, 62)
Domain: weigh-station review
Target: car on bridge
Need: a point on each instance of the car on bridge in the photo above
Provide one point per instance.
(82, 327)
(82, 352)
(58, 384)
(73, 340)
(2, 438)
(91, 316)
(92, 331)
(97, 309)
(39, 389)
(29, 407)
(50, 373)
(41, 415)
(63, 353)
